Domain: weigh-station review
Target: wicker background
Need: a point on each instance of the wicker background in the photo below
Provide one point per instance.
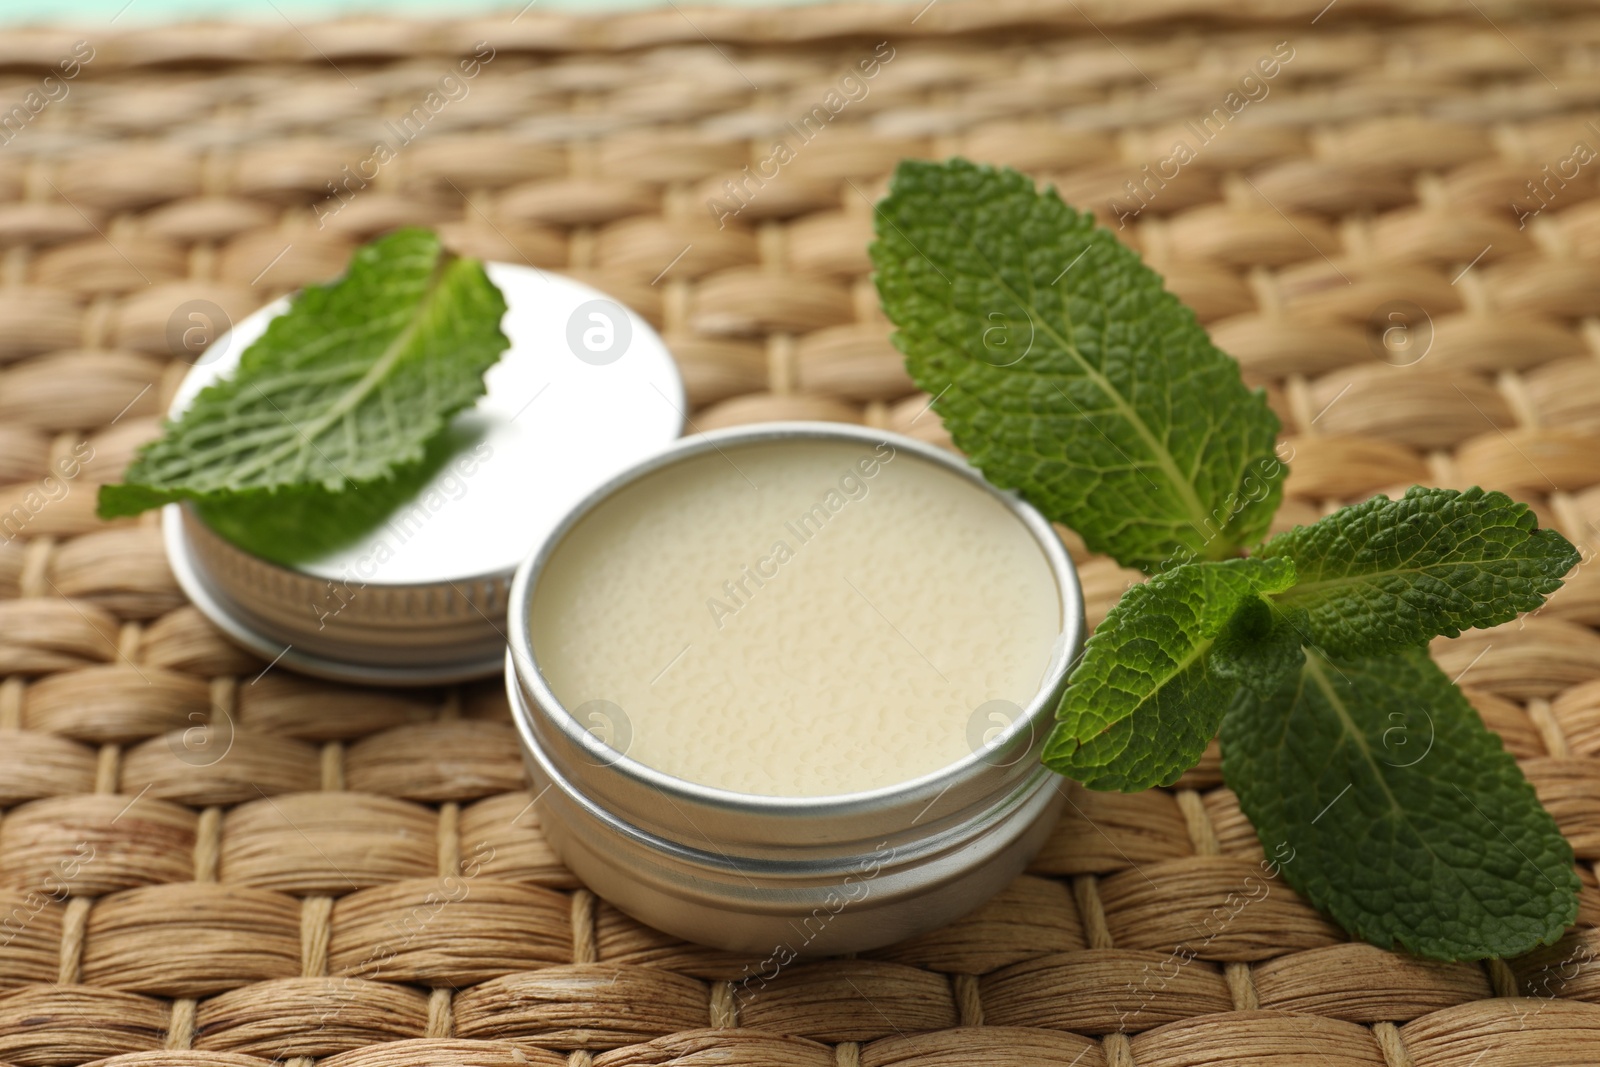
(358, 878)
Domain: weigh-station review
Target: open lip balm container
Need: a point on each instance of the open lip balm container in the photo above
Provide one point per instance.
(585, 389)
(782, 689)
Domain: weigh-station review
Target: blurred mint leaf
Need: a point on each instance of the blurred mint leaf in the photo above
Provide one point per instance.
(306, 522)
(1409, 823)
(1146, 699)
(1064, 370)
(1385, 574)
(344, 390)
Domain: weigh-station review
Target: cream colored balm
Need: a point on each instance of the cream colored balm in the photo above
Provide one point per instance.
(798, 617)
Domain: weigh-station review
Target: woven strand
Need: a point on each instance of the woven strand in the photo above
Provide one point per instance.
(360, 879)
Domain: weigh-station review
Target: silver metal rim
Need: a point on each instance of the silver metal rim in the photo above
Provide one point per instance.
(1035, 718)
(784, 862)
(217, 608)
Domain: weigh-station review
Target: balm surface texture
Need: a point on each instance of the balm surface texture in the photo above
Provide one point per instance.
(797, 618)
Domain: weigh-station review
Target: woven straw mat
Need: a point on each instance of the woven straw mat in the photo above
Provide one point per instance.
(359, 878)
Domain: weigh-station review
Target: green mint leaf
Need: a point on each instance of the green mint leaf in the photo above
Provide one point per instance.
(1385, 574)
(1409, 824)
(301, 523)
(346, 388)
(1145, 700)
(1065, 371)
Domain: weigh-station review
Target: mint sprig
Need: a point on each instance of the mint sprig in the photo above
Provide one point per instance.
(1065, 371)
(344, 391)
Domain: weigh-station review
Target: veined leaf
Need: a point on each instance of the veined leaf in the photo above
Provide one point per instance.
(1388, 573)
(1408, 822)
(304, 522)
(1064, 370)
(344, 389)
(1146, 698)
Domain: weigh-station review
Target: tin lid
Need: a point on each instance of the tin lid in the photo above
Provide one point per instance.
(585, 389)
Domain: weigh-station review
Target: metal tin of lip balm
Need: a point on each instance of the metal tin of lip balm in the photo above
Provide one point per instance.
(585, 389)
(761, 874)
